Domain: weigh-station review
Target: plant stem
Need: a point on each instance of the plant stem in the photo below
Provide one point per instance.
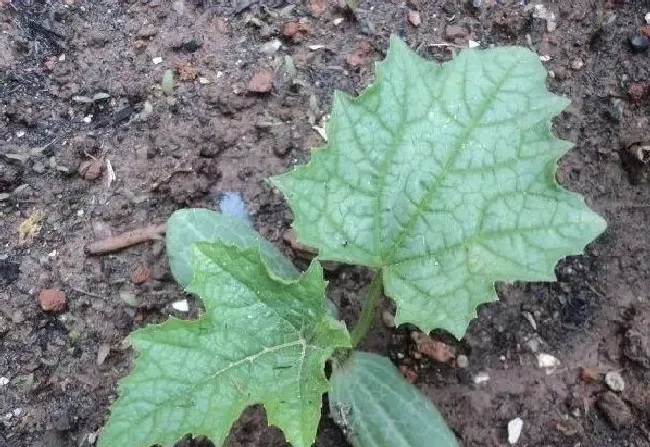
(368, 310)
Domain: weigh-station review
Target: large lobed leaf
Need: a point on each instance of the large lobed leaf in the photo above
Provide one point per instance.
(262, 340)
(443, 176)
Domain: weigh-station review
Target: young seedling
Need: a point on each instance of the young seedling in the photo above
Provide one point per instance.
(439, 177)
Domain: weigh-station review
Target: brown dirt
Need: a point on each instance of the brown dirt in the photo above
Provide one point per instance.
(183, 150)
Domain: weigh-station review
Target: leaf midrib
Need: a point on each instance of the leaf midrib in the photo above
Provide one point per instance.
(396, 241)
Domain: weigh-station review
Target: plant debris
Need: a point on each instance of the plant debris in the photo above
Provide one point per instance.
(128, 239)
(30, 227)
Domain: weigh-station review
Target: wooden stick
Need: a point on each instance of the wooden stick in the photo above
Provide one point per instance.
(128, 239)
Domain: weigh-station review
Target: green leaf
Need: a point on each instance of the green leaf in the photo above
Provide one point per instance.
(260, 340)
(374, 406)
(190, 225)
(187, 226)
(443, 176)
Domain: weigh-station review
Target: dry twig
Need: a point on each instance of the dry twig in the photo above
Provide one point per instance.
(128, 239)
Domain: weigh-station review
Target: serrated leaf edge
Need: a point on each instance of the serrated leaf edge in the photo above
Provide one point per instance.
(204, 316)
(339, 102)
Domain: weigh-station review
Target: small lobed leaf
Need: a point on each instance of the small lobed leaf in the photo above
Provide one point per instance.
(443, 176)
(374, 406)
(261, 340)
(189, 225)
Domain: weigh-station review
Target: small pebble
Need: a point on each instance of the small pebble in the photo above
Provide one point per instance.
(157, 60)
(91, 169)
(140, 274)
(3, 381)
(388, 318)
(480, 378)
(434, 349)
(614, 381)
(477, 3)
(462, 361)
(102, 353)
(181, 306)
(409, 374)
(414, 17)
(647, 18)
(515, 427)
(638, 42)
(271, 47)
(52, 300)
(577, 63)
(261, 82)
(38, 167)
(548, 362)
(290, 29)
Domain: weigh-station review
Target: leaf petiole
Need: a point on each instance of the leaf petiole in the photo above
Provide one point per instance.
(368, 310)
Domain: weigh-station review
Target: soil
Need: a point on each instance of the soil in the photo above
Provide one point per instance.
(173, 149)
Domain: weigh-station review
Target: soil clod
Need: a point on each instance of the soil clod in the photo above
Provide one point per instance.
(615, 410)
(261, 82)
(52, 300)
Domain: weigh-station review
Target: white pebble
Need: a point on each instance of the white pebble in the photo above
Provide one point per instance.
(647, 18)
(614, 381)
(480, 378)
(3, 381)
(548, 362)
(181, 306)
(515, 427)
(388, 319)
(157, 60)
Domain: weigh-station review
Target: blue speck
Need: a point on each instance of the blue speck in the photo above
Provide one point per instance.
(232, 204)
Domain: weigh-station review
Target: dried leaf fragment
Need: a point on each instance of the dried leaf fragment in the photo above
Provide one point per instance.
(30, 227)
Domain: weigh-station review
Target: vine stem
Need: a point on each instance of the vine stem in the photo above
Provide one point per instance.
(368, 310)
